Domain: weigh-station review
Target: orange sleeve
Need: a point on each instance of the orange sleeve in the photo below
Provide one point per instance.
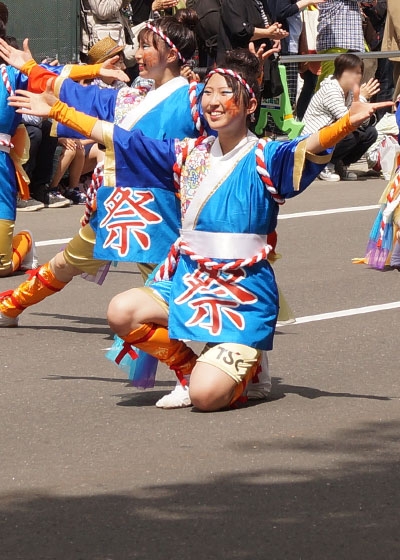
(37, 76)
(330, 135)
(69, 116)
(84, 71)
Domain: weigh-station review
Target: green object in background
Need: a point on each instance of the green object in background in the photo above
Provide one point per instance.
(280, 110)
(52, 27)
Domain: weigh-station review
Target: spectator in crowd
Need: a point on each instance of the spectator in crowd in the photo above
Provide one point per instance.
(105, 18)
(71, 159)
(243, 22)
(391, 40)
(339, 30)
(77, 157)
(39, 167)
(331, 102)
(141, 10)
(208, 12)
(287, 12)
(374, 26)
(309, 70)
(103, 50)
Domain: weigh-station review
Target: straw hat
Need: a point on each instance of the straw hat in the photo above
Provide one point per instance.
(104, 49)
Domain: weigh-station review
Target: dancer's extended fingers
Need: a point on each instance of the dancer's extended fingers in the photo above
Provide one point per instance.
(382, 105)
(25, 46)
(21, 93)
(20, 103)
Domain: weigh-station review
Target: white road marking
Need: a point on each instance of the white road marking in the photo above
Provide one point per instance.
(52, 242)
(346, 313)
(330, 211)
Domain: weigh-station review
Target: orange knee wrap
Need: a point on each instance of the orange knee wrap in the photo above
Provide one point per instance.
(21, 245)
(42, 284)
(155, 340)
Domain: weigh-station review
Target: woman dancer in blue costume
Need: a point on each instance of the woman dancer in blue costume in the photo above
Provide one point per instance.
(170, 109)
(16, 251)
(216, 286)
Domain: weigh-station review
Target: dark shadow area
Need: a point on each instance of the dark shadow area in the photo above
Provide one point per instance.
(75, 318)
(92, 330)
(347, 510)
(280, 389)
(146, 397)
(108, 380)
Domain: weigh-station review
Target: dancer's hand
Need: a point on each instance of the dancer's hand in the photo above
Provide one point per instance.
(15, 57)
(370, 88)
(360, 112)
(38, 104)
(109, 69)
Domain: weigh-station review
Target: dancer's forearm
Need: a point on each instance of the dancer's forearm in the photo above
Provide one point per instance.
(39, 76)
(330, 135)
(84, 124)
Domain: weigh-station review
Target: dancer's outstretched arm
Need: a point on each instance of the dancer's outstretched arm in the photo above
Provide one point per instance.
(38, 75)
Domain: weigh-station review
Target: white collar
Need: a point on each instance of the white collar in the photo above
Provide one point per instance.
(216, 151)
(152, 99)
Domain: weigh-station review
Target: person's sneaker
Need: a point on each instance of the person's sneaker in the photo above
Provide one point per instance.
(30, 205)
(31, 261)
(178, 398)
(56, 200)
(8, 322)
(344, 173)
(349, 176)
(328, 174)
(76, 196)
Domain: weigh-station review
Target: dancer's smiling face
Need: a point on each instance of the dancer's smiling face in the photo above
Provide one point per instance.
(152, 60)
(222, 108)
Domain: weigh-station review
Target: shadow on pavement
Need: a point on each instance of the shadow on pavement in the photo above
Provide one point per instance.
(75, 318)
(279, 389)
(107, 380)
(83, 330)
(344, 509)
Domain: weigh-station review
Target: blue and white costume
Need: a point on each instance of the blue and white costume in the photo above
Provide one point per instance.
(227, 214)
(9, 121)
(161, 113)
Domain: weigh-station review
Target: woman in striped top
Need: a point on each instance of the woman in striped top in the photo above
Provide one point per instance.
(330, 103)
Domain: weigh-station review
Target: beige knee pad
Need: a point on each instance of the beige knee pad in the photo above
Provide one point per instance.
(79, 251)
(236, 360)
(6, 237)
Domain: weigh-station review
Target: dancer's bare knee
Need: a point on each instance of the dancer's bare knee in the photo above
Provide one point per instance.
(63, 271)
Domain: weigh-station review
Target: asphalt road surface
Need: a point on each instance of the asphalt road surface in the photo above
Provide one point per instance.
(92, 470)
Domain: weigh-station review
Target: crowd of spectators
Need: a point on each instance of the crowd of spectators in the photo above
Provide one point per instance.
(60, 168)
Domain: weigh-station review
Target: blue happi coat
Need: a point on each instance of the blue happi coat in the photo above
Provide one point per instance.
(168, 116)
(240, 306)
(9, 120)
